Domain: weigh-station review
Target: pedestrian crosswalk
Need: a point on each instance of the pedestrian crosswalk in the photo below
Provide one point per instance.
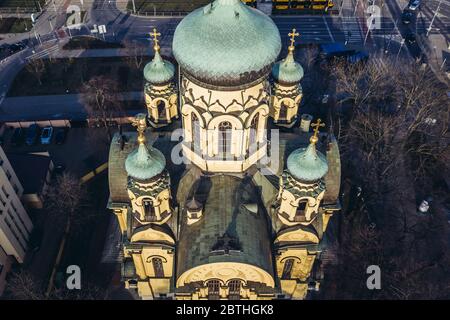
(47, 52)
(352, 30)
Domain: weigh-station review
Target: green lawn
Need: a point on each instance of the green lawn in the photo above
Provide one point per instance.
(14, 25)
(63, 74)
(149, 6)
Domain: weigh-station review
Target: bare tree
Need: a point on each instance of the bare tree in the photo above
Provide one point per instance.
(63, 202)
(88, 291)
(22, 285)
(37, 68)
(101, 99)
(64, 197)
(395, 126)
(136, 53)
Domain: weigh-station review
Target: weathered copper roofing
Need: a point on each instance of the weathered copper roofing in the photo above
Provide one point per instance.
(227, 231)
(226, 42)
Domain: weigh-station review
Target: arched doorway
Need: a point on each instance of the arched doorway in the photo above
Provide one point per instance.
(213, 289)
(161, 107)
(149, 209)
(283, 111)
(234, 289)
(158, 267)
(287, 269)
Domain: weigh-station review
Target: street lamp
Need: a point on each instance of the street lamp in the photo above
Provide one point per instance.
(434, 16)
(400, 49)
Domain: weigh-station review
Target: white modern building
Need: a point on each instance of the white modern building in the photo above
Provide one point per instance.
(15, 225)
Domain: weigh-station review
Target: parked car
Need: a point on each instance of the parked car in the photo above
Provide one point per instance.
(16, 47)
(410, 37)
(414, 4)
(17, 137)
(59, 168)
(407, 17)
(46, 135)
(60, 135)
(32, 134)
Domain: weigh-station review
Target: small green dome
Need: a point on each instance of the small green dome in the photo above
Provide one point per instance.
(158, 70)
(145, 163)
(307, 164)
(226, 43)
(287, 70)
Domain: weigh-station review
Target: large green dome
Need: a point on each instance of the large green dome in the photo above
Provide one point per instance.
(226, 43)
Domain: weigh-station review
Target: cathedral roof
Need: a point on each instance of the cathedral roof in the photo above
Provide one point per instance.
(307, 164)
(226, 43)
(159, 70)
(287, 70)
(227, 232)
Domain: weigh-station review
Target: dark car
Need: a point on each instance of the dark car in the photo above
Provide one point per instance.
(17, 137)
(410, 37)
(414, 4)
(59, 168)
(407, 17)
(32, 134)
(60, 135)
(16, 47)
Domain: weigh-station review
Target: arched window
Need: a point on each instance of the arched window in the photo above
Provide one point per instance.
(234, 289)
(287, 269)
(161, 106)
(213, 290)
(283, 111)
(253, 139)
(302, 204)
(149, 209)
(195, 126)
(158, 267)
(225, 128)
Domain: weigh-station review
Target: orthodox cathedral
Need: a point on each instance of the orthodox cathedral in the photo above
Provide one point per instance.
(245, 215)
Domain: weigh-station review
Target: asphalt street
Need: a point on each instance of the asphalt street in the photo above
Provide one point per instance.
(51, 30)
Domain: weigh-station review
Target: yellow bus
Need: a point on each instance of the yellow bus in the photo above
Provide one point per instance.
(303, 5)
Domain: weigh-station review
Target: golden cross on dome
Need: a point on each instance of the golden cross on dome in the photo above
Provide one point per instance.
(140, 122)
(293, 34)
(316, 127)
(155, 36)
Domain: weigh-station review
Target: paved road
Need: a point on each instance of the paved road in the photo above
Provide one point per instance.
(121, 26)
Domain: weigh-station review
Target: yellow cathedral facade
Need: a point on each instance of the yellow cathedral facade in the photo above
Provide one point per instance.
(245, 215)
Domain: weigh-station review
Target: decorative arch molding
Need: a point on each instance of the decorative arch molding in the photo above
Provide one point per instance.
(221, 282)
(225, 271)
(187, 112)
(149, 233)
(297, 235)
(263, 109)
(295, 258)
(149, 258)
(243, 281)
